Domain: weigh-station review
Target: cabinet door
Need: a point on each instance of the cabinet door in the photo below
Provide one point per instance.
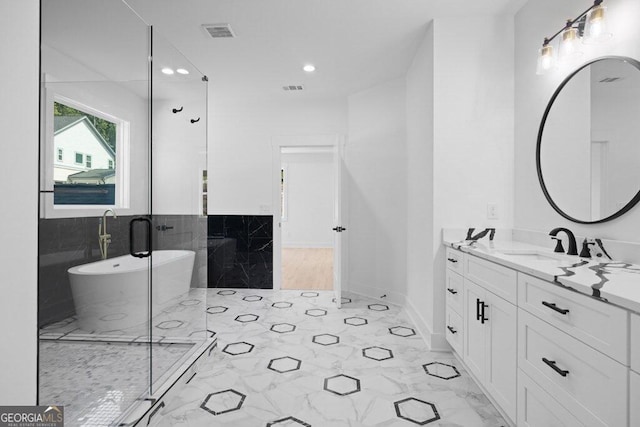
(501, 360)
(474, 336)
(634, 398)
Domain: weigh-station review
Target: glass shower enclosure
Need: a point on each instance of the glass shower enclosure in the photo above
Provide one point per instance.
(122, 229)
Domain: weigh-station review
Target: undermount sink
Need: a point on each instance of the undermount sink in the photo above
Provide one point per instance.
(531, 255)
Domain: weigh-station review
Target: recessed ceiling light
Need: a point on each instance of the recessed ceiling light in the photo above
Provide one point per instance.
(309, 68)
(167, 71)
(182, 71)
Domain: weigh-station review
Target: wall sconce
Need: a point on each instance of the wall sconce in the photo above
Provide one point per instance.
(589, 27)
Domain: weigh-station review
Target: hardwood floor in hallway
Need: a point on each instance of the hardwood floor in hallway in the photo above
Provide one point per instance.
(307, 268)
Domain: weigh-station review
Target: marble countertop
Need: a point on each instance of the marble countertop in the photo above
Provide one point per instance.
(610, 281)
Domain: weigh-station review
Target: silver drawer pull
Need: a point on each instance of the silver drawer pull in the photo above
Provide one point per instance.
(452, 260)
(452, 330)
(452, 291)
(552, 365)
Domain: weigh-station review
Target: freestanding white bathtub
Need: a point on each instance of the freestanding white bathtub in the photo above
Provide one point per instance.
(113, 294)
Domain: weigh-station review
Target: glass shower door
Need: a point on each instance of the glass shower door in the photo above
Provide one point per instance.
(94, 351)
(178, 205)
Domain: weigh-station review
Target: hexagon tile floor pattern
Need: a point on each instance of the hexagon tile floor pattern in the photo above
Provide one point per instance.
(291, 358)
(342, 385)
(417, 411)
(224, 401)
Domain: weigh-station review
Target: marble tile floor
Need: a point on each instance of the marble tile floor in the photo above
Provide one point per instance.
(97, 381)
(292, 358)
(184, 320)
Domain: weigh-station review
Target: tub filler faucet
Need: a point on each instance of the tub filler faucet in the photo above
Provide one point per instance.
(103, 237)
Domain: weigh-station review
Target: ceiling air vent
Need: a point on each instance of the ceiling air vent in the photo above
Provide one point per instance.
(293, 87)
(219, 31)
(610, 79)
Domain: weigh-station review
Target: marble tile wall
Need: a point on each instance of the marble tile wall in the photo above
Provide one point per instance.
(67, 242)
(240, 251)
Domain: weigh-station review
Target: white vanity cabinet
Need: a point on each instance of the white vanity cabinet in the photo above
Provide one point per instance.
(545, 354)
(634, 399)
(635, 343)
(634, 383)
(454, 292)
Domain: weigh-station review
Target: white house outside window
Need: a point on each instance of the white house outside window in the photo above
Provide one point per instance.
(90, 177)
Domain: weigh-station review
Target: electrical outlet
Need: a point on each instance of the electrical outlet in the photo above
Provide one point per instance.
(492, 211)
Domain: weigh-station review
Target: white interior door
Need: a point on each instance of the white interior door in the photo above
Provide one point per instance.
(338, 225)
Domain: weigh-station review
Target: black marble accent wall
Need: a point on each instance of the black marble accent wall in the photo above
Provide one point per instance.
(67, 242)
(240, 251)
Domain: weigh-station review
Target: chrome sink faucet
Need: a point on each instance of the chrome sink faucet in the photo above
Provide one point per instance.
(103, 237)
(573, 247)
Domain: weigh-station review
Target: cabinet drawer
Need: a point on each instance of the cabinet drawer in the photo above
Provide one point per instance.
(455, 291)
(635, 343)
(454, 260)
(497, 279)
(536, 408)
(634, 398)
(600, 325)
(454, 330)
(594, 387)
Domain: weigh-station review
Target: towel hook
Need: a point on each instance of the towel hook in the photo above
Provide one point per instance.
(177, 110)
(195, 121)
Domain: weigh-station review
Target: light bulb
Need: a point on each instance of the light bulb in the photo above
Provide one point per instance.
(546, 59)
(595, 30)
(167, 71)
(309, 68)
(569, 45)
(182, 71)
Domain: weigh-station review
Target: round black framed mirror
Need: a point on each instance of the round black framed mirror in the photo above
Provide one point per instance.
(588, 148)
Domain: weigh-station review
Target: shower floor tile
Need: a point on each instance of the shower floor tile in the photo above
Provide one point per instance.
(292, 359)
(97, 381)
(185, 318)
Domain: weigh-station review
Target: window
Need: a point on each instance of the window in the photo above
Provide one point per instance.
(86, 180)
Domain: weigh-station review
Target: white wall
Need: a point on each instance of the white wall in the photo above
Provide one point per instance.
(537, 19)
(310, 200)
(19, 23)
(473, 133)
(179, 152)
(432, 151)
(376, 160)
(241, 132)
(420, 231)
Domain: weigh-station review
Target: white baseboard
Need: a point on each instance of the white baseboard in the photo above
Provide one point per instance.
(435, 342)
(377, 293)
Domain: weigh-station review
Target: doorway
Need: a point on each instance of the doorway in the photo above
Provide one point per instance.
(307, 214)
(307, 199)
